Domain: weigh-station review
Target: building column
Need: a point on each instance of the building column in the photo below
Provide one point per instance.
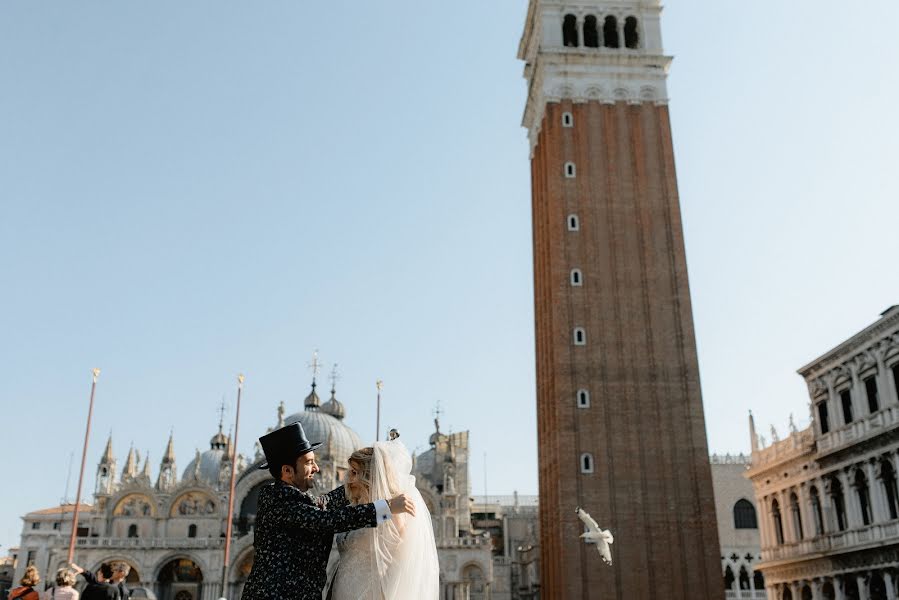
(880, 378)
(888, 581)
(850, 499)
(838, 582)
(862, 588)
(879, 512)
(817, 593)
(806, 512)
(857, 395)
(786, 521)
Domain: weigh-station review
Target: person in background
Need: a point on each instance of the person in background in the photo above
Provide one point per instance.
(120, 570)
(100, 588)
(26, 590)
(63, 590)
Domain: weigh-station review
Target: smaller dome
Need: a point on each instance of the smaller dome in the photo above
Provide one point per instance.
(312, 401)
(334, 407)
(219, 441)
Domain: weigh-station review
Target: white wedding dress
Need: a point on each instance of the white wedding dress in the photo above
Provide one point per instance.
(396, 560)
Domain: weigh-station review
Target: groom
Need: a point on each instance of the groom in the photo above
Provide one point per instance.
(294, 530)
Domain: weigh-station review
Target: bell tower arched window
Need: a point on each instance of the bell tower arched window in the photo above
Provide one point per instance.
(591, 32)
(132, 531)
(569, 31)
(610, 32)
(192, 531)
(631, 36)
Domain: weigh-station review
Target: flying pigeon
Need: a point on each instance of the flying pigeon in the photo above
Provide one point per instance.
(594, 535)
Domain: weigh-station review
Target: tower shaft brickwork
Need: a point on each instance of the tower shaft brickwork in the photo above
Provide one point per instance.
(620, 419)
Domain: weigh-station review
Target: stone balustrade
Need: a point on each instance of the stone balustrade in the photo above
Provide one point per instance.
(879, 533)
(150, 543)
(864, 427)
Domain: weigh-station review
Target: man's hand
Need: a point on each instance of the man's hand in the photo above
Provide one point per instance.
(402, 504)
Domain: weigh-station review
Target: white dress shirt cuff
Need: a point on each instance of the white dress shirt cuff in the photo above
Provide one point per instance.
(382, 510)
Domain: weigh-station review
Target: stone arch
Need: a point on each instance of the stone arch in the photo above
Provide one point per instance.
(475, 575)
(648, 92)
(136, 572)
(178, 555)
(593, 93)
(136, 504)
(192, 503)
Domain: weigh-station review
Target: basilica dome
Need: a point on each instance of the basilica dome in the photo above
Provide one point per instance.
(321, 424)
(210, 462)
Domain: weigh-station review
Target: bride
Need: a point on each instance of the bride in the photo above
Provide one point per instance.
(398, 559)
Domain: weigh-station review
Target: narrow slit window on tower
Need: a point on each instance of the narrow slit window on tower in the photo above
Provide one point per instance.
(192, 531)
(583, 399)
(570, 170)
(569, 31)
(567, 119)
(591, 32)
(577, 278)
(574, 223)
(631, 35)
(580, 336)
(610, 32)
(586, 462)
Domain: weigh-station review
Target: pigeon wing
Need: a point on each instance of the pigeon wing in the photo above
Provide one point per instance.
(587, 519)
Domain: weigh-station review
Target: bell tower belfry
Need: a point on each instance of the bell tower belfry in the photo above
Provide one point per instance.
(620, 421)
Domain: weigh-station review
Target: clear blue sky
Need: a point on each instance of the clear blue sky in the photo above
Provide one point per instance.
(192, 190)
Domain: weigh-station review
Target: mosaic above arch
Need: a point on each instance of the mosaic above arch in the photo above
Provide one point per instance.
(134, 505)
(193, 504)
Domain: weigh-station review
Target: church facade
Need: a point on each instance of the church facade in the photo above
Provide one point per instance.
(827, 495)
(171, 529)
(620, 421)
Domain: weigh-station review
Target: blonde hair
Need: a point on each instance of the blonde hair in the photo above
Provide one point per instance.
(360, 492)
(65, 577)
(31, 577)
(120, 566)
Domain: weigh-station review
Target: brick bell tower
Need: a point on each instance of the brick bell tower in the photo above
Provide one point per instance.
(620, 420)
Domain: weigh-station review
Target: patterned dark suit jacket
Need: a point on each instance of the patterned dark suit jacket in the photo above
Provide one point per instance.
(292, 540)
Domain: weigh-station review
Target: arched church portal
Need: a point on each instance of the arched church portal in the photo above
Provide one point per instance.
(180, 579)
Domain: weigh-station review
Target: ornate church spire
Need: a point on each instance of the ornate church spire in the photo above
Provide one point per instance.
(106, 471)
(168, 473)
(130, 470)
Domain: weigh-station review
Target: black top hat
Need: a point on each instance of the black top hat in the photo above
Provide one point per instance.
(285, 445)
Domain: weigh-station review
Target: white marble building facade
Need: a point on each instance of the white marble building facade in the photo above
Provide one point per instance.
(829, 506)
(738, 528)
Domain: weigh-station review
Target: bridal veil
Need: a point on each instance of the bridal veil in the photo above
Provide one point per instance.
(403, 549)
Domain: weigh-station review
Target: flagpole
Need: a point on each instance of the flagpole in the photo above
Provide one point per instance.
(87, 434)
(378, 384)
(240, 379)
